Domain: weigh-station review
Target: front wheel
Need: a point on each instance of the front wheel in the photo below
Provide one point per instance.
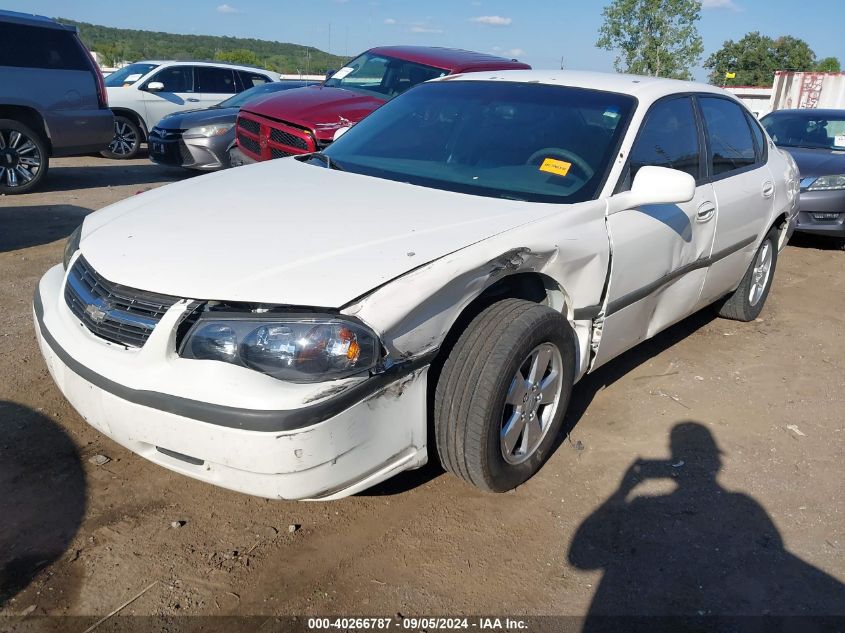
(746, 302)
(502, 394)
(127, 139)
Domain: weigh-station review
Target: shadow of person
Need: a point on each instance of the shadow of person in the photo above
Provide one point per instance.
(42, 495)
(696, 556)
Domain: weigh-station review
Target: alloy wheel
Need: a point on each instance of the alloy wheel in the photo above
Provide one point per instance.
(20, 158)
(531, 403)
(760, 274)
(125, 138)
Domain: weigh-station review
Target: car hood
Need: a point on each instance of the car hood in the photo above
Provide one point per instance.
(287, 232)
(813, 163)
(318, 108)
(193, 118)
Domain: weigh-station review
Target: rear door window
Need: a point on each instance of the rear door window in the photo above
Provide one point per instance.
(731, 143)
(175, 79)
(216, 80)
(34, 47)
(667, 138)
(251, 79)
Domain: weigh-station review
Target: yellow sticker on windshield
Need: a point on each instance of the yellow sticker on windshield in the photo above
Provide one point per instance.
(556, 167)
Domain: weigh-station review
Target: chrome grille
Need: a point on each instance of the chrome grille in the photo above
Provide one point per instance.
(112, 311)
(249, 125)
(286, 138)
(249, 144)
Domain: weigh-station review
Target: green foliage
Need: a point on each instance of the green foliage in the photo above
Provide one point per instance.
(117, 45)
(653, 37)
(238, 56)
(828, 65)
(756, 57)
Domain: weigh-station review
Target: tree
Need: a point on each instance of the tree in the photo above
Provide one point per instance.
(828, 65)
(653, 37)
(238, 56)
(755, 58)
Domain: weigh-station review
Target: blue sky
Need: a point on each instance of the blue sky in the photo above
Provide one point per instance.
(540, 32)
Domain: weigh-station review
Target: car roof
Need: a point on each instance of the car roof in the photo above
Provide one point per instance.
(446, 58)
(189, 62)
(644, 88)
(30, 19)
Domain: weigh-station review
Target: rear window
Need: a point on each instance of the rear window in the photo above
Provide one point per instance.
(35, 47)
(250, 79)
(216, 80)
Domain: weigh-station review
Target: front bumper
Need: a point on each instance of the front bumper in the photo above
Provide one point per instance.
(814, 205)
(204, 420)
(206, 154)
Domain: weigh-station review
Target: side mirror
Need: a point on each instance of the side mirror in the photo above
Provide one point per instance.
(329, 73)
(155, 86)
(340, 132)
(654, 185)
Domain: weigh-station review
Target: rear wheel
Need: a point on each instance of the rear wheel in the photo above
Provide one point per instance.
(746, 302)
(23, 157)
(503, 392)
(126, 141)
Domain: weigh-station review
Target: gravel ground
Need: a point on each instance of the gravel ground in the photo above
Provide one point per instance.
(703, 474)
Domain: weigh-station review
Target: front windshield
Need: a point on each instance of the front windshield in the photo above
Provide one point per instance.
(521, 141)
(382, 75)
(806, 129)
(128, 75)
(236, 101)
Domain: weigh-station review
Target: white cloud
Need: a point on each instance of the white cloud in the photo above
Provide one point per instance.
(515, 52)
(389, 21)
(492, 20)
(227, 8)
(719, 4)
(424, 29)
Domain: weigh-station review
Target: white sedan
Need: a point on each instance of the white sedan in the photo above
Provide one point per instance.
(454, 263)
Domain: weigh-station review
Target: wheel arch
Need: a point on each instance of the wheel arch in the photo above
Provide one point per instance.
(31, 118)
(137, 118)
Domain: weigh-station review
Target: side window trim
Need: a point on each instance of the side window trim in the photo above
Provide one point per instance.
(734, 172)
(703, 160)
(762, 152)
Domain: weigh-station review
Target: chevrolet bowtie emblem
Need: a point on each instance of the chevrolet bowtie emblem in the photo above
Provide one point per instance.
(96, 313)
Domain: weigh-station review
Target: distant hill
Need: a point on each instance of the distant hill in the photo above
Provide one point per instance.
(117, 45)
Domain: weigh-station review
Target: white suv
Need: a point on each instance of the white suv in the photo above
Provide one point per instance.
(143, 93)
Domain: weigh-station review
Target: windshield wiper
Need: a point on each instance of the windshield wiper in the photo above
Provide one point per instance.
(327, 160)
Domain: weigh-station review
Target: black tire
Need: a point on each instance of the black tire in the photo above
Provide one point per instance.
(470, 399)
(24, 159)
(738, 305)
(127, 139)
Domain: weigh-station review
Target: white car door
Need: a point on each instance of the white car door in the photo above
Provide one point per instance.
(214, 84)
(744, 189)
(177, 93)
(659, 252)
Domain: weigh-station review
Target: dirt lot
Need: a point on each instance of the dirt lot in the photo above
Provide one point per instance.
(760, 403)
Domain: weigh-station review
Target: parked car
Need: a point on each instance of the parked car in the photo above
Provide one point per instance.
(202, 139)
(305, 121)
(143, 93)
(816, 140)
(477, 244)
(52, 99)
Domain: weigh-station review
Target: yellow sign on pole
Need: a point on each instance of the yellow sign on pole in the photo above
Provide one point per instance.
(730, 75)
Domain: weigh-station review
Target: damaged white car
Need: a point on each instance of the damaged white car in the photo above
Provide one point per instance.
(454, 263)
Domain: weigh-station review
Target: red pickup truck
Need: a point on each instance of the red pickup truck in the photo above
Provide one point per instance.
(306, 119)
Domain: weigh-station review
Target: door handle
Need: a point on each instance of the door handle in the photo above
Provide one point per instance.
(706, 211)
(768, 189)
(192, 100)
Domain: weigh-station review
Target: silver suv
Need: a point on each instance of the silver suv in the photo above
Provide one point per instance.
(52, 99)
(143, 93)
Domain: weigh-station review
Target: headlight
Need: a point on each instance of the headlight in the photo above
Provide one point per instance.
(207, 131)
(294, 349)
(71, 246)
(828, 183)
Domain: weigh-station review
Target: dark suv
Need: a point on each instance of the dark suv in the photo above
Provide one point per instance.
(52, 99)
